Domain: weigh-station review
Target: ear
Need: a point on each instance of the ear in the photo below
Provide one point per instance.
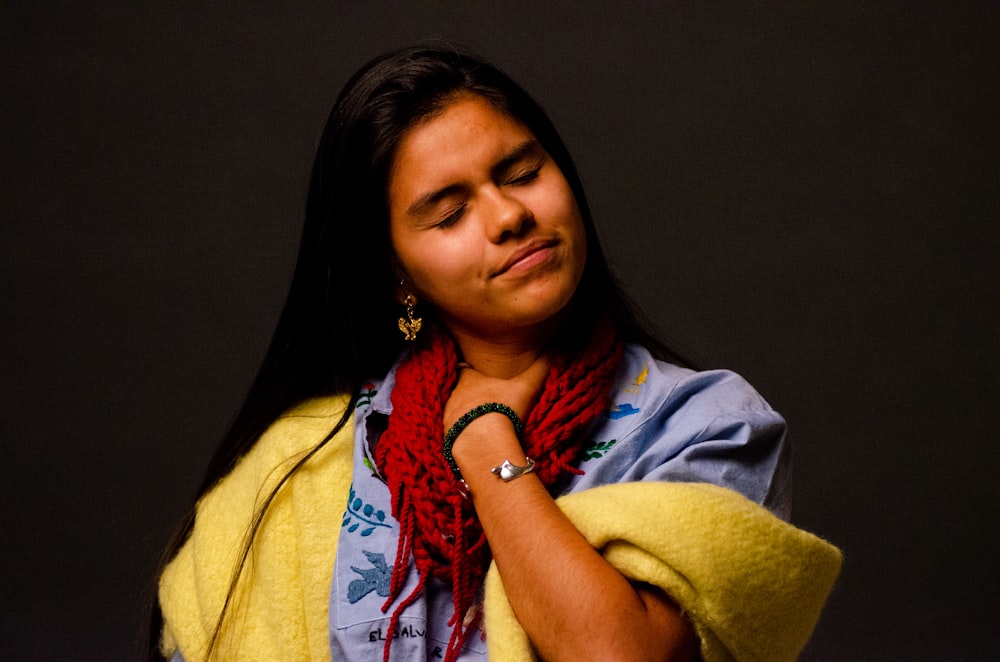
(403, 285)
(401, 291)
(403, 288)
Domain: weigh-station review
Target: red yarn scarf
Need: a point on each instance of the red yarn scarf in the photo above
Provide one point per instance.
(439, 526)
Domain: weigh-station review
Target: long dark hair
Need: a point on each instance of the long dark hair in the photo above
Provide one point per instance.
(338, 326)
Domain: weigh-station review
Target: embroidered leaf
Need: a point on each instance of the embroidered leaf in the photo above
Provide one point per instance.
(365, 397)
(597, 449)
(360, 513)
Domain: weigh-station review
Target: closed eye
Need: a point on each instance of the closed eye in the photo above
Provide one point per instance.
(452, 218)
(524, 176)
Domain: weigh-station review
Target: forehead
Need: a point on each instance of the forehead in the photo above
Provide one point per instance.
(468, 135)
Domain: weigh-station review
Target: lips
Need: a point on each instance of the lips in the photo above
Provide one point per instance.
(524, 252)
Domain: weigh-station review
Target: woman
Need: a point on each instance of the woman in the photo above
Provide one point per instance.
(454, 355)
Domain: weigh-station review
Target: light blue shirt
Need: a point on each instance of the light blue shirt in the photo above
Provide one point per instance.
(666, 424)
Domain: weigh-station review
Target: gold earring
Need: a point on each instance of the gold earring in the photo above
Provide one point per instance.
(410, 325)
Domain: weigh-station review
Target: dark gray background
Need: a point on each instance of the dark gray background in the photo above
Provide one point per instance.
(803, 192)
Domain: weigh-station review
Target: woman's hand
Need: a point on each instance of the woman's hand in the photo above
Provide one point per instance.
(490, 439)
(518, 392)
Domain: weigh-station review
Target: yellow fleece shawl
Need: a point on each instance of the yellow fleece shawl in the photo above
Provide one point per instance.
(752, 585)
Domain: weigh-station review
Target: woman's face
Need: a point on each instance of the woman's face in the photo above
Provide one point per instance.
(483, 222)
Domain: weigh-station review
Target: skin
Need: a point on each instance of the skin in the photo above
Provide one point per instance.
(486, 230)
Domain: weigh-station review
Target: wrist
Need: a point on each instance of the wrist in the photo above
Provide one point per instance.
(481, 416)
(484, 442)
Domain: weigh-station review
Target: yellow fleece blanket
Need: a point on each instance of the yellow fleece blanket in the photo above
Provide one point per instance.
(752, 585)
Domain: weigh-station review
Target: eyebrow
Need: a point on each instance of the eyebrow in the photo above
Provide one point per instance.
(527, 148)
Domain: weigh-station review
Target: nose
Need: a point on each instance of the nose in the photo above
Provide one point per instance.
(508, 216)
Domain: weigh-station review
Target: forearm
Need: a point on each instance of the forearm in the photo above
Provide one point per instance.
(572, 604)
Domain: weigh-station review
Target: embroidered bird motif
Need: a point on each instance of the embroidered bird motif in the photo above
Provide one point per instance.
(375, 578)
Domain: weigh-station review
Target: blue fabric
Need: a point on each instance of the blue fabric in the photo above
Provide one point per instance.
(666, 424)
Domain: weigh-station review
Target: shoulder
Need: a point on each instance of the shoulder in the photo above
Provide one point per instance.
(297, 430)
(651, 388)
(301, 519)
(319, 407)
(292, 435)
(230, 503)
(668, 423)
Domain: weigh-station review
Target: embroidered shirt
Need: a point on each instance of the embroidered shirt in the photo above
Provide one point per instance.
(665, 424)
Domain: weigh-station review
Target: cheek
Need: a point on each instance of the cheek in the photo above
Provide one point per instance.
(434, 268)
(557, 204)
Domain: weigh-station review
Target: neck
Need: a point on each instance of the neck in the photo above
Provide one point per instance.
(498, 359)
(504, 356)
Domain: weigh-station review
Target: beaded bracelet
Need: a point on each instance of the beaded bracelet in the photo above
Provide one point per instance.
(468, 417)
